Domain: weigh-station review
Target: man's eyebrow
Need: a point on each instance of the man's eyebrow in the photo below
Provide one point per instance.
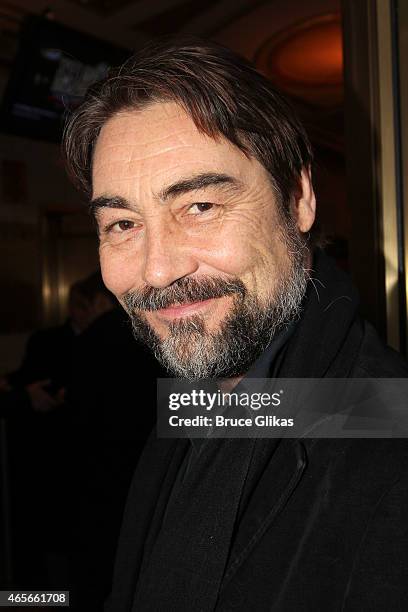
(108, 202)
(199, 181)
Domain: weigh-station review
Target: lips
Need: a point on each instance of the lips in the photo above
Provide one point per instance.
(182, 310)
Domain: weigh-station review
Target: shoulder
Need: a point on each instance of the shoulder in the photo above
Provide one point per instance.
(379, 457)
(376, 359)
(359, 472)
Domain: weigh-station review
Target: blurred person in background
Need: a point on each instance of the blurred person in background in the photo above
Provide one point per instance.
(41, 435)
(43, 374)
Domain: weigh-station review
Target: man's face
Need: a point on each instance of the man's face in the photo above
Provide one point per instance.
(191, 241)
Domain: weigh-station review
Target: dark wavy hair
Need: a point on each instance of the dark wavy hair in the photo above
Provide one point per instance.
(222, 93)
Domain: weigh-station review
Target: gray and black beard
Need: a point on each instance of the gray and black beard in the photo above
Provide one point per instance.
(193, 352)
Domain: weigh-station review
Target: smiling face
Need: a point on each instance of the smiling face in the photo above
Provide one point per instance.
(192, 243)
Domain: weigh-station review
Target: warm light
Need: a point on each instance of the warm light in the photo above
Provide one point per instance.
(307, 60)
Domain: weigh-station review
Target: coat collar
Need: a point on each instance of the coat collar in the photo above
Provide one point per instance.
(317, 346)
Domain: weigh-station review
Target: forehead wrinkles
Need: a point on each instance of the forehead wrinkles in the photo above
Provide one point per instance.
(120, 139)
(129, 151)
(125, 146)
(148, 127)
(141, 133)
(166, 167)
(124, 163)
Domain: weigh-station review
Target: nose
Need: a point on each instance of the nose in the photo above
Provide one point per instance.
(167, 256)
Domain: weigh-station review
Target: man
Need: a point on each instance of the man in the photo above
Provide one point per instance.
(199, 175)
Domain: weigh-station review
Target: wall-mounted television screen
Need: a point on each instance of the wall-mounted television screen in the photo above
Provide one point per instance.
(54, 67)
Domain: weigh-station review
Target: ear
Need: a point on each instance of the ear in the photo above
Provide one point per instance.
(305, 202)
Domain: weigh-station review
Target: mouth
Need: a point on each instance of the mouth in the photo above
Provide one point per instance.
(176, 311)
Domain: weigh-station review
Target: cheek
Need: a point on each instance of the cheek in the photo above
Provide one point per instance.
(237, 250)
(118, 273)
(229, 256)
(258, 258)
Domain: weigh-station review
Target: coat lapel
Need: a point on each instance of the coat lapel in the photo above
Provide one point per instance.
(146, 504)
(275, 487)
(175, 450)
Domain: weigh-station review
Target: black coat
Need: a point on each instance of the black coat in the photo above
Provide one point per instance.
(112, 376)
(324, 525)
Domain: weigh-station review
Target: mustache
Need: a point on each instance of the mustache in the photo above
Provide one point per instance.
(182, 291)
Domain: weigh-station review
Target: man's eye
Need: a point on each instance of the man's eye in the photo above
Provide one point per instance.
(200, 207)
(121, 226)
